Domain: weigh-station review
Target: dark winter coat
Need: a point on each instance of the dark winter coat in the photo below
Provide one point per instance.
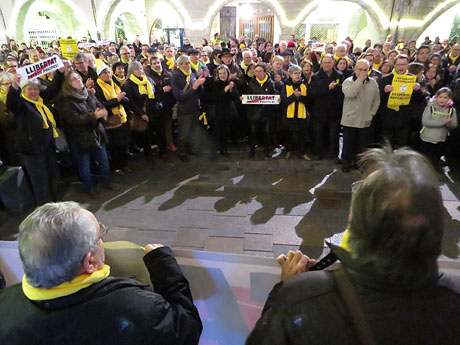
(188, 98)
(113, 311)
(261, 112)
(292, 124)
(325, 103)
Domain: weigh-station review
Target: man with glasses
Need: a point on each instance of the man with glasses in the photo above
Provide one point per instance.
(87, 73)
(67, 296)
(362, 99)
(394, 125)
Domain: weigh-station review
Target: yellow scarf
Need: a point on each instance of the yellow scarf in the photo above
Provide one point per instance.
(196, 66)
(400, 45)
(262, 82)
(377, 65)
(187, 75)
(301, 110)
(111, 91)
(144, 56)
(345, 244)
(120, 80)
(244, 67)
(144, 86)
(170, 62)
(2, 96)
(453, 59)
(125, 61)
(81, 282)
(46, 114)
(403, 86)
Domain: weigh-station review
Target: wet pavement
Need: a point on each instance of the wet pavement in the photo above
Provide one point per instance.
(236, 205)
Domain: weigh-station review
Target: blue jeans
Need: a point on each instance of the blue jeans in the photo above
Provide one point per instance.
(83, 162)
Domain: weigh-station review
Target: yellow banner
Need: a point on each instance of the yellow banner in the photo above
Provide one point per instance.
(403, 86)
(69, 48)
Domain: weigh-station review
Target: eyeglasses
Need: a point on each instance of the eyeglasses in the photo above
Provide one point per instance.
(103, 230)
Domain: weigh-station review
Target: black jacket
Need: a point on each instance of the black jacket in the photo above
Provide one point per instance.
(307, 309)
(261, 112)
(78, 119)
(113, 311)
(90, 75)
(326, 103)
(30, 136)
(167, 98)
(138, 102)
(110, 103)
(292, 124)
(188, 99)
(224, 102)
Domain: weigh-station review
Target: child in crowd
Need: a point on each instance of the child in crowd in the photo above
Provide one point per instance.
(438, 118)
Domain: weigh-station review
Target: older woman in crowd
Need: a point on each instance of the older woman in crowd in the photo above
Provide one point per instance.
(140, 90)
(80, 113)
(35, 133)
(116, 126)
(7, 155)
(260, 115)
(294, 120)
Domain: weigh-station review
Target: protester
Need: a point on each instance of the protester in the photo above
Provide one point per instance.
(438, 118)
(35, 131)
(80, 113)
(294, 120)
(67, 284)
(362, 99)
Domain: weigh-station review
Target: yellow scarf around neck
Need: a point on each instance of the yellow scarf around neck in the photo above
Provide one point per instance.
(196, 66)
(145, 88)
(81, 282)
(111, 91)
(301, 110)
(187, 75)
(262, 82)
(170, 62)
(46, 114)
(120, 80)
(376, 66)
(453, 59)
(125, 61)
(244, 67)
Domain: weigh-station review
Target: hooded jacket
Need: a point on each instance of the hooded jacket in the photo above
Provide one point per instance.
(434, 130)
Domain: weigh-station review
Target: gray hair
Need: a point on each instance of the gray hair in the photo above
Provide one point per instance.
(364, 61)
(181, 60)
(133, 66)
(397, 221)
(294, 68)
(124, 48)
(53, 240)
(246, 52)
(5, 77)
(80, 57)
(208, 50)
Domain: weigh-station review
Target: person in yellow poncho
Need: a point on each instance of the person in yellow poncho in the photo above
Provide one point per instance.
(294, 120)
(35, 133)
(116, 103)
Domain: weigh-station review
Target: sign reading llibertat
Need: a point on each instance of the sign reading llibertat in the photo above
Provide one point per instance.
(261, 99)
(40, 68)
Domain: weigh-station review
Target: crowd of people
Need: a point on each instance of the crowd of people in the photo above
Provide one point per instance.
(116, 100)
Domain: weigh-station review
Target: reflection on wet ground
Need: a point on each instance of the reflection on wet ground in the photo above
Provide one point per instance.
(254, 207)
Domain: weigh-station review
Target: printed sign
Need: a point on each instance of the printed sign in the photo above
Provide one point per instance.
(318, 47)
(39, 68)
(69, 48)
(262, 99)
(403, 86)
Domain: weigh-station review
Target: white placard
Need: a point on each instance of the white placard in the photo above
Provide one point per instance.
(39, 68)
(262, 99)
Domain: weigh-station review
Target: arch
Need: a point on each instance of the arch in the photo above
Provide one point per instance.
(433, 16)
(130, 22)
(107, 9)
(21, 9)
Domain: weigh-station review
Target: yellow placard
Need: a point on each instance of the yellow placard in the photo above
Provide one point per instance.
(69, 47)
(403, 86)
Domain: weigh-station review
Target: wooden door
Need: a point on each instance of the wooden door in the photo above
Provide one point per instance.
(258, 25)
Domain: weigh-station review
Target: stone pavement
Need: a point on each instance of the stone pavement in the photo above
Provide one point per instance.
(236, 205)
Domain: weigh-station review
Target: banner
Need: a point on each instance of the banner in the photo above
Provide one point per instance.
(39, 68)
(69, 48)
(403, 86)
(262, 99)
(318, 47)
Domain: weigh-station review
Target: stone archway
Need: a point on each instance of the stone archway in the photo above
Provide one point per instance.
(61, 9)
